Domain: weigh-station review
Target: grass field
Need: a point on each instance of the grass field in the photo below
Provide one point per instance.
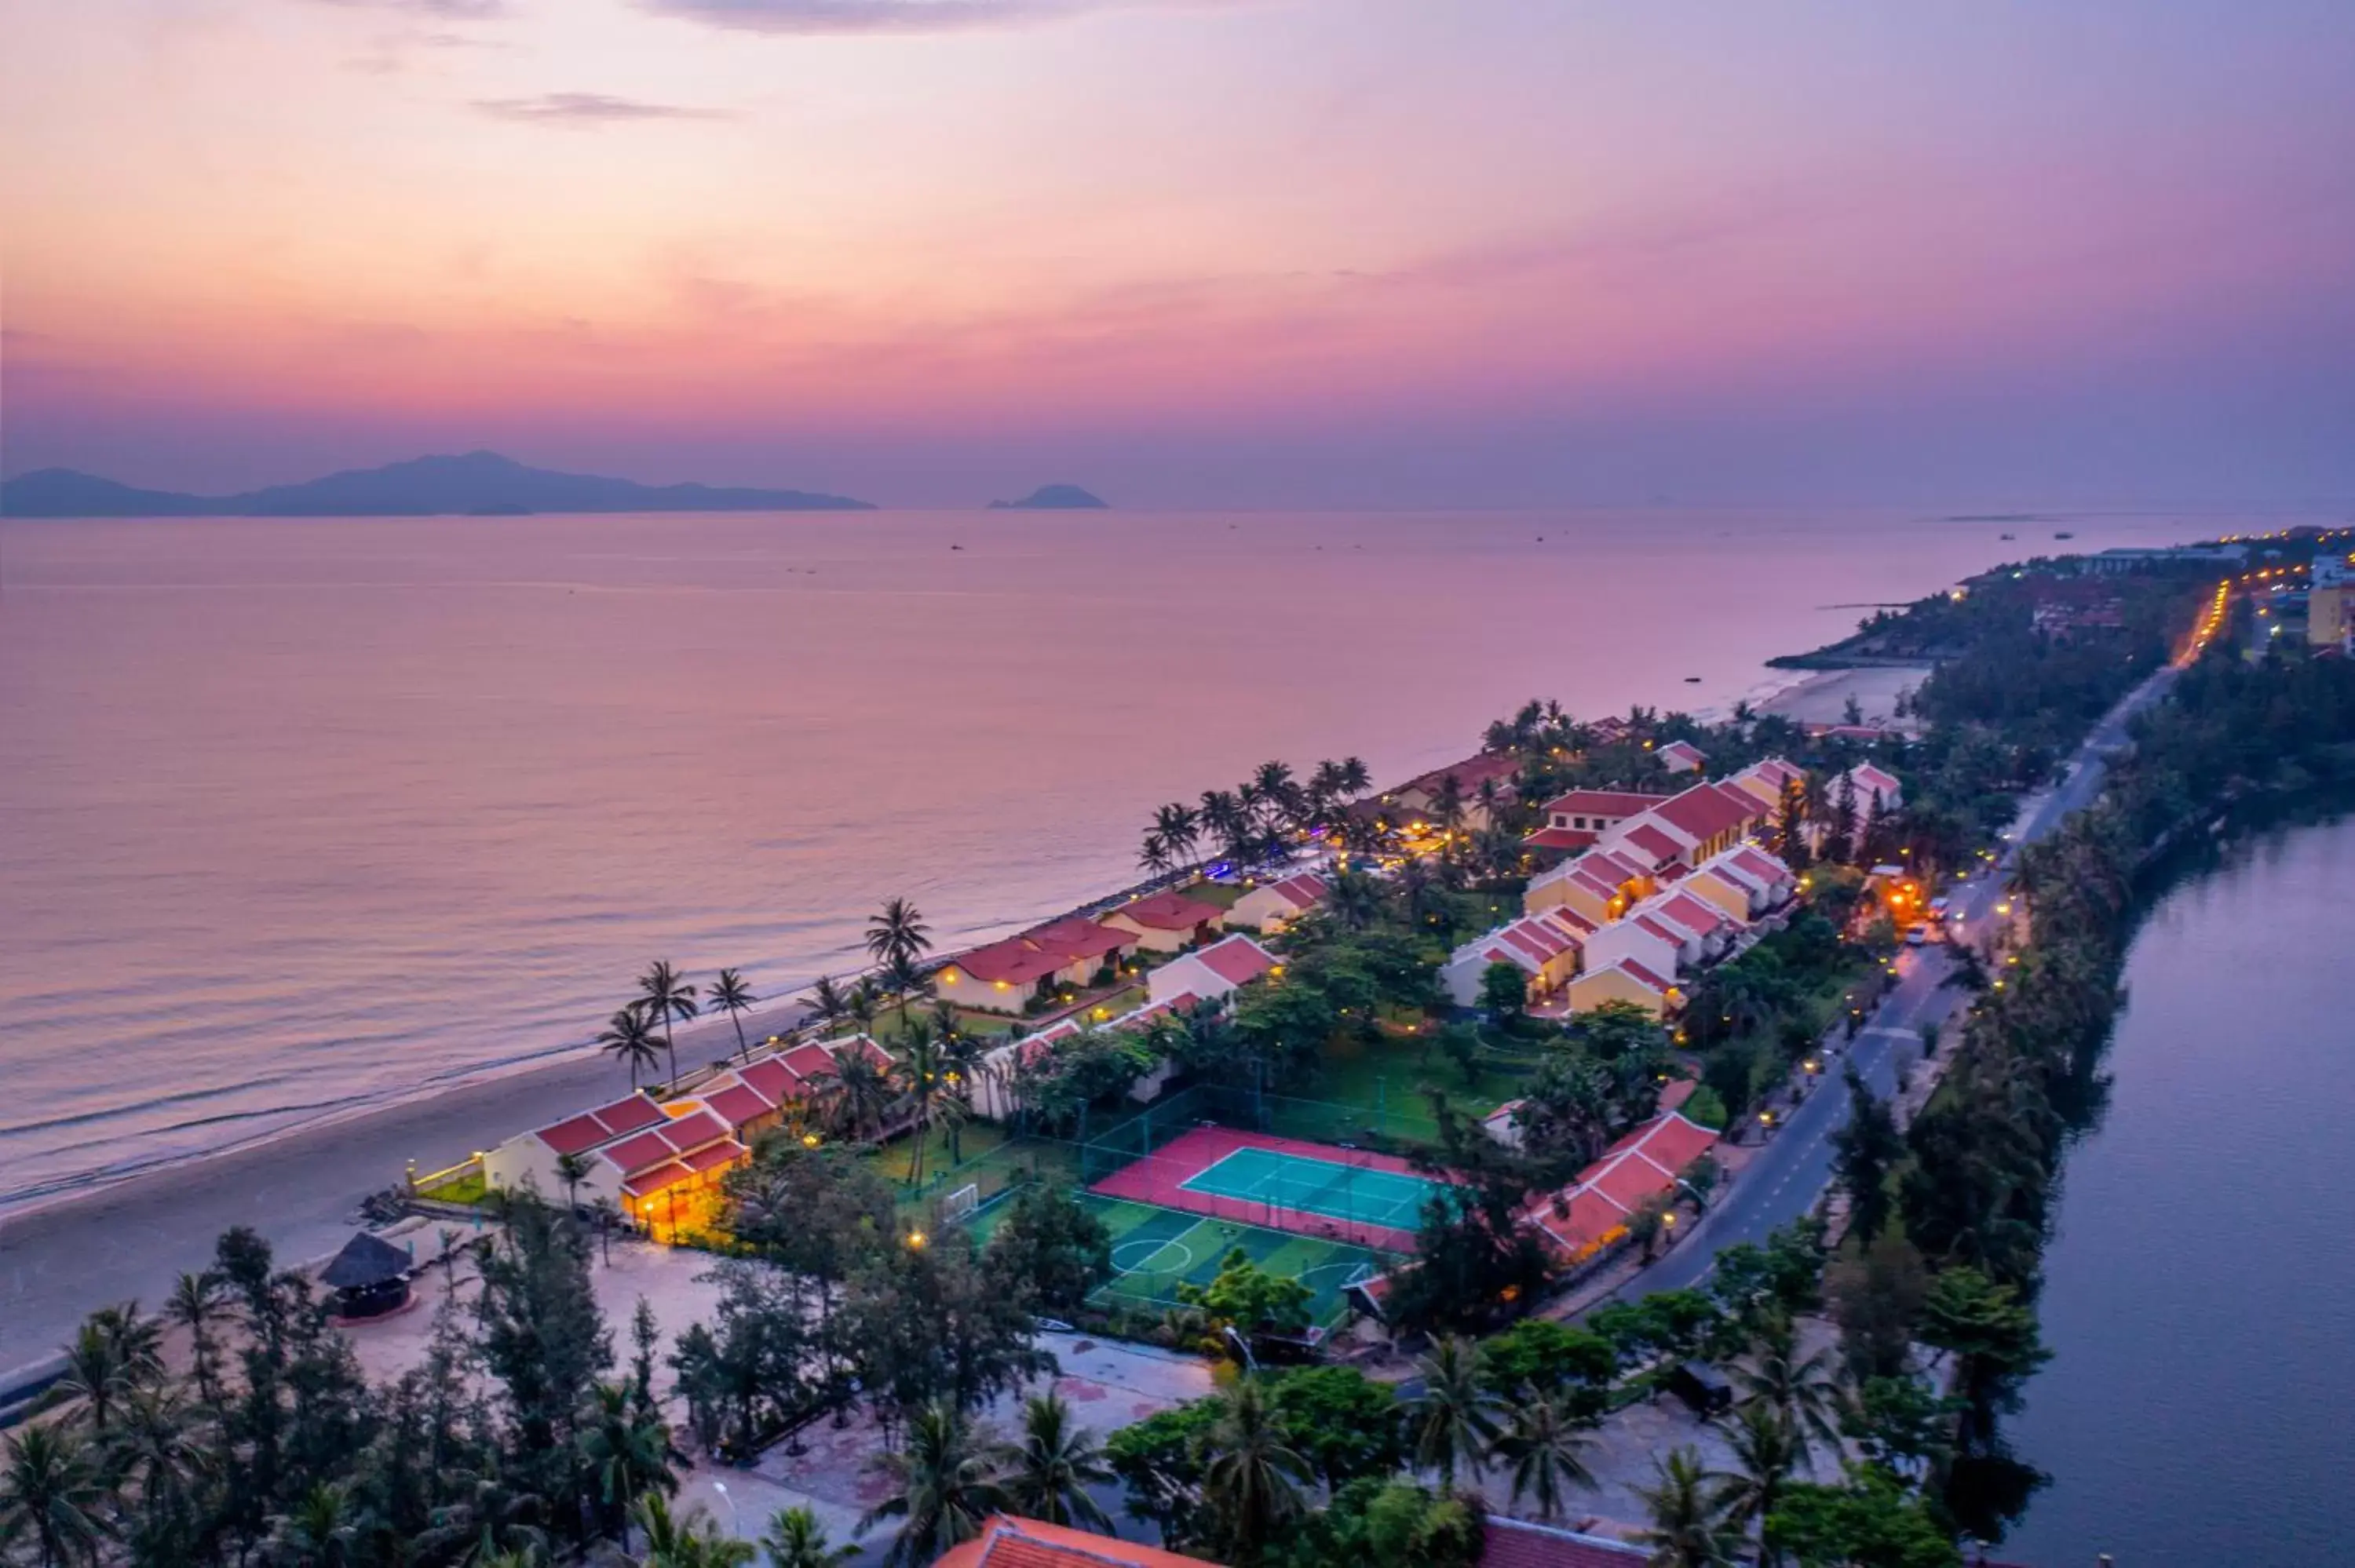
(1384, 1081)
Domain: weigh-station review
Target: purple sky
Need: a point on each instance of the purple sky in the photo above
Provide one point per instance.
(1231, 252)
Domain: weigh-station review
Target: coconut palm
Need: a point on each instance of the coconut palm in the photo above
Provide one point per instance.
(1805, 1390)
(1054, 1465)
(319, 1531)
(728, 993)
(198, 1301)
(943, 1485)
(1539, 1449)
(160, 1456)
(629, 1038)
(52, 1496)
(1155, 855)
(572, 1169)
(795, 1539)
(687, 1540)
(626, 1451)
(664, 996)
(96, 1374)
(1180, 830)
(905, 978)
(862, 1093)
(1765, 1453)
(897, 931)
(1253, 1481)
(827, 1004)
(1453, 1419)
(1688, 1527)
(921, 1075)
(1354, 900)
(1225, 819)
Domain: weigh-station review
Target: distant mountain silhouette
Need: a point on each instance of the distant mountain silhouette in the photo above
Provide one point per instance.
(482, 484)
(1050, 498)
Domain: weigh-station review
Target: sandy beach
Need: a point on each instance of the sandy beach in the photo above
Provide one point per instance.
(1822, 697)
(301, 1191)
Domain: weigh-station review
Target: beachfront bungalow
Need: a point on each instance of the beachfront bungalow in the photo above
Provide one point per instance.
(1271, 906)
(1212, 974)
(1411, 803)
(1007, 975)
(1166, 922)
(667, 1179)
(1682, 756)
(1593, 1212)
(529, 1159)
(1545, 947)
(995, 1095)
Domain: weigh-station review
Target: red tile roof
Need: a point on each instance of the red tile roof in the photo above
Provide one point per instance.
(1516, 1543)
(1238, 960)
(1706, 810)
(1300, 890)
(1684, 750)
(1080, 939)
(1691, 910)
(1611, 803)
(1470, 774)
(577, 1134)
(1006, 1541)
(737, 1103)
(1644, 836)
(1644, 977)
(646, 1182)
(773, 1080)
(1168, 912)
(1560, 838)
(1017, 961)
(1644, 1163)
(643, 1152)
(1673, 935)
(1758, 863)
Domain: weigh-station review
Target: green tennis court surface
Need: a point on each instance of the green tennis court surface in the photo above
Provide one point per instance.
(1154, 1250)
(1322, 1187)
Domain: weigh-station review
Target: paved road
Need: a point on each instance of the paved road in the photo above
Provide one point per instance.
(1784, 1179)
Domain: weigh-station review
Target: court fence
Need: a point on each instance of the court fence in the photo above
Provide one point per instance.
(1105, 1150)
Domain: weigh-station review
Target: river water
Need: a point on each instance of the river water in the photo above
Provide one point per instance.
(2200, 1292)
(299, 817)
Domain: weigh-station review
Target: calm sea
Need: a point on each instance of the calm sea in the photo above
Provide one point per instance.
(299, 816)
(2200, 1294)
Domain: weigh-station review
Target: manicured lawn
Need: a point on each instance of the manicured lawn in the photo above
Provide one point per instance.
(976, 1139)
(1385, 1080)
(469, 1188)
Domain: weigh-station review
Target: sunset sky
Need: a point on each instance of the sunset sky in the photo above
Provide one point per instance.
(1227, 252)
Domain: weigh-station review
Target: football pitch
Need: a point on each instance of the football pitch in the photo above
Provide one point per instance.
(1154, 1250)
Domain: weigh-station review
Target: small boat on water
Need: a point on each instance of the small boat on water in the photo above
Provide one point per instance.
(1692, 680)
(2064, 534)
(2009, 535)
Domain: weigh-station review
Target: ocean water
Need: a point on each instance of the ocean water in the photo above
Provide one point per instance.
(299, 816)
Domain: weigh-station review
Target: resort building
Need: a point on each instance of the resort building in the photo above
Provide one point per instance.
(1271, 906)
(1543, 947)
(1636, 984)
(1166, 922)
(1698, 822)
(2330, 603)
(529, 1159)
(1598, 885)
(1745, 882)
(1508, 1542)
(667, 1179)
(1411, 806)
(1574, 820)
(1764, 781)
(1062, 955)
(1682, 756)
(994, 1093)
(1656, 947)
(1593, 1212)
(1212, 974)
(1873, 789)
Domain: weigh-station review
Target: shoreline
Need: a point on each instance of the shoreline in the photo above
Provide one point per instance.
(66, 1251)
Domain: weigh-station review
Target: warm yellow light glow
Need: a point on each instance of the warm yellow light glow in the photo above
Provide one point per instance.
(916, 1240)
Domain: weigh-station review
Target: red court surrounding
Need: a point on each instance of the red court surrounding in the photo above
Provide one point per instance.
(1157, 1179)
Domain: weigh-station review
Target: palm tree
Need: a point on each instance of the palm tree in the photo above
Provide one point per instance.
(1765, 1451)
(1805, 1391)
(905, 977)
(319, 1531)
(664, 996)
(159, 1457)
(572, 1169)
(897, 931)
(1178, 828)
(1354, 900)
(95, 1374)
(827, 1004)
(1254, 1479)
(921, 1075)
(198, 1301)
(626, 1451)
(1224, 818)
(687, 1540)
(1055, 1464)
(796, 1539)
(628, 1036)
(730, 994)
(1688, 1528)
(1452, 1418)
(1155, 855)
(52, 1496)
(1539, 1449)
(862, 1093)
(943, 1485)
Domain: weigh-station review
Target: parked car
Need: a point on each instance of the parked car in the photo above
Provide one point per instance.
(1917, 934)
(1703, 1387)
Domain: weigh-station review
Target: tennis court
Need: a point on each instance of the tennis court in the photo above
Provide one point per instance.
(1154, 1250)
(1353, 1195)
(1305, 1185)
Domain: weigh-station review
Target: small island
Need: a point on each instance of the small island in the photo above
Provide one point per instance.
(1053, 498)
